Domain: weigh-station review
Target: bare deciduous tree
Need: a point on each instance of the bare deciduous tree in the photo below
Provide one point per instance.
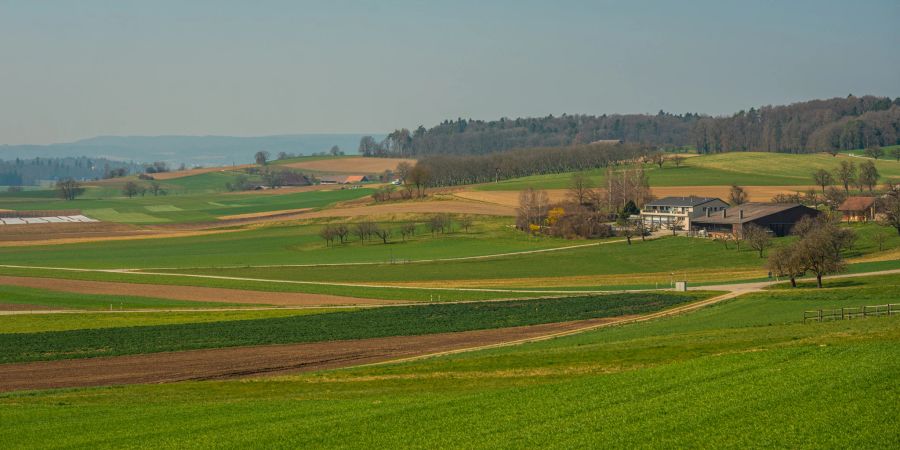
(328, 233)
(382, 232)
(658, 158)
(533, 208)
(580, 187)
(341, 231)
(757, 238)
(846, 174)
(891, 207)
(130, 189)
(465, 222)
(737, 195)
(785, 262)
(868, 175)
(822, 178)
(69, 189)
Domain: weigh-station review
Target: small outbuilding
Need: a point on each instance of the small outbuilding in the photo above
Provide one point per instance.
(778, 218)
(858, 209)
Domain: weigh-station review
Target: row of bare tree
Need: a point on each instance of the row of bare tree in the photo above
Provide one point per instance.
(847, 175)
(368, 230)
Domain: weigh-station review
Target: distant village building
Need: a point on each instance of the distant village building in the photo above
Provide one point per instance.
(858, 209)
(678, 212)
(779, 218)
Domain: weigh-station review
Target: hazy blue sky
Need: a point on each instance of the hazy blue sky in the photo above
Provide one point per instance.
(74, 69)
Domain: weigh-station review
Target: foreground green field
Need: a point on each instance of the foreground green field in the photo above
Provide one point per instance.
(282, 244)
(358, 324)
(745, 373)
(37, 323)
(177, 208)
(742, 168)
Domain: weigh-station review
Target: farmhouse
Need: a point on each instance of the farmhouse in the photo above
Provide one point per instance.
(350, 179)
(779, 218)
(858, 209)
(678, 212)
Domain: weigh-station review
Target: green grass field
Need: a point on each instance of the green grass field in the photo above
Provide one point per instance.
(281, 245)
(38, 323)
(180, 208)
(744, 373)
(690, 258)
(15, 295)
(359, 324)
(742, 168)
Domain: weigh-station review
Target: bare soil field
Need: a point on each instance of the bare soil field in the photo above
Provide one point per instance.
(192, 293)
(75, 238)
(416, 207)
(755, 193)
(356, 164)
(286, 190)
(186, 173)
(265, 360)
(22, 307)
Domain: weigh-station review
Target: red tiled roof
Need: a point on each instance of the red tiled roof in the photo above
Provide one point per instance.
(857, 204)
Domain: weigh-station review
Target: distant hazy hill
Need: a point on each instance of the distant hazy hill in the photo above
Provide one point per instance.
(191, 150)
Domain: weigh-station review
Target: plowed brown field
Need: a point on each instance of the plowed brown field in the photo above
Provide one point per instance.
(266, 360)
(419, 207)
(192, 293)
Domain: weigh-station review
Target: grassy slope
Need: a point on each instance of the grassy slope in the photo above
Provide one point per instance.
(66, 300)
(741, 374)
(278, 245)
(743, 168)
(359, 324)
(689, 258)
(34, 323)
(183, 208)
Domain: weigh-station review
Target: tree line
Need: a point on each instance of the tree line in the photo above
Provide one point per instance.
(805, 127)
(28, 172)
(450, 170)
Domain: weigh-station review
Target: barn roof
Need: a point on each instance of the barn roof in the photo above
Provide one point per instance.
(355, 179)
(857, 204)
(752, 211)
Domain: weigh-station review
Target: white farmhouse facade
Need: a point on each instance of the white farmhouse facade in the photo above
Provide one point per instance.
(677, 212)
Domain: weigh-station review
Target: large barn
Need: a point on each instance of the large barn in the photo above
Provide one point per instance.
(779, 218)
